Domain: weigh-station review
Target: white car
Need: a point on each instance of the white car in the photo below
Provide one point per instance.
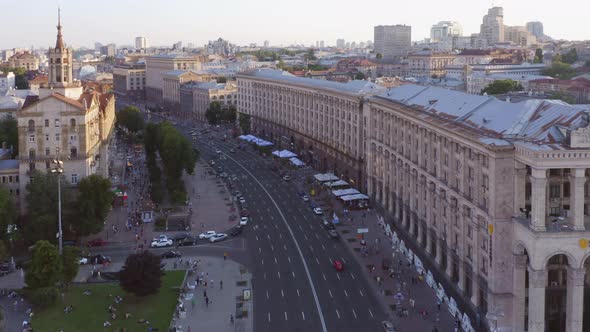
(207, 235)
(242, 200)
(244, 221)
(218, 237)
(83, 260)
(160, 243)
(305, 198)
(318, 211)
(218, 151)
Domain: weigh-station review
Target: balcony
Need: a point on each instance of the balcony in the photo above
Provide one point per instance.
(553, 224)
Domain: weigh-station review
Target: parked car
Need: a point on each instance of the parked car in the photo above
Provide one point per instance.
(180, 237)
(83, 260)
(318, 211)
(305, 198)
(388, 326)
(287, 178)
(188, 241)
(244, 221)
(236, 230)
(100, 259)
(207, 235)
(338, 265)
(161, 237)
(332, 234)
(232, 150)
(328, 225)
(97, 243)
(244, 213)
(242, 200)
(160, 243)
(171, 254)
(218, 237)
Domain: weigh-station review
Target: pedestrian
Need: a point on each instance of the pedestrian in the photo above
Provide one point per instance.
(224, 255)
(205, 293)
(221, 284)
(231, 319)
(206, 301)
(438, 303)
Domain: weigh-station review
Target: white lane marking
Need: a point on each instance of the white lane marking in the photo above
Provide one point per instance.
(300, 227)
(284, 246)
(354, 313)
(323, 247)
(267, 235)
(310, 247)
(272, 218)
(316, 259)
(272, 248)
(371, 313)
(305, 236)
(360, 291)
(279, 274)
(323, 275)
(316, 235)
(269, 317)
(338, 276)
(337, 313)
(264, 275)
(256, 237)
(343, 260)
(352, 275)
(329, 291)
(262, 261)
(280, 234)
(289, 259)
(293, 273)
(298, 292)
(315, 294)
(330, 260)
(282, 293)
(302, 315)
(277, 262)
(286, 315)
(260, 250)
(345, 293)
(267, 295)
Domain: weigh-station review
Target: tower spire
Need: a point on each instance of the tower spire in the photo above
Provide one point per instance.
(59, 44)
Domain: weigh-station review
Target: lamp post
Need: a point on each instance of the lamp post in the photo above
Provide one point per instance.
(58, 170)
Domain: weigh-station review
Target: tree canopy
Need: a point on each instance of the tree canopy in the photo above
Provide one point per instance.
(131, 118)
(501, 87)
(94, 203)
(45, 269)
(245, 123)
(538, 56)
(20, 77)
(7, 212)
(570, 57)
(70, 264)
(141, 274)
(216, 114)
(560, 70)
(9, 133)
(42, 220)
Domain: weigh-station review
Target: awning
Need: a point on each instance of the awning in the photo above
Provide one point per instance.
(336, 183)
(295, 161)
(255, 140)
(325, 177)
(284, 154)
(344, 192)
(354, 197)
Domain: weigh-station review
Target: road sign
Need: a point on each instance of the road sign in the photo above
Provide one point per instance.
(362, 230)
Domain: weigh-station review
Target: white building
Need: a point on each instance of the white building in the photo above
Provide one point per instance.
(464, 71)
(221, 47)
(6, 82)
(445, 30)
(141, 43)
(477, 81)
(392, 40)
(492, 27)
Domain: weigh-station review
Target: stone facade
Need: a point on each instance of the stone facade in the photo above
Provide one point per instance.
(129, 80)
(157, 65)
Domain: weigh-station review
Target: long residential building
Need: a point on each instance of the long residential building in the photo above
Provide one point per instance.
(195, 97)
(158, 66)
(492, 195)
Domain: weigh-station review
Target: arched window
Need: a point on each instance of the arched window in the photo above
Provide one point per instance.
(31, 153)
(31, 125)
(73, 123)
(73, 153)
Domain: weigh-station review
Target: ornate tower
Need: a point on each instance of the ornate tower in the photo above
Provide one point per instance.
(60, 61)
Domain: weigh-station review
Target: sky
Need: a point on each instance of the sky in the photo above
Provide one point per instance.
(27, 23)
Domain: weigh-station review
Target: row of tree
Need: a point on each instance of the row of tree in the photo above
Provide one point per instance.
(177, 156)
(131, 119)
(21, 81)
(9, 134)
(217, 114)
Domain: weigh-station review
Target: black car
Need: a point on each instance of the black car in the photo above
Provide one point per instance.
(187, 241)
(328, 225)
(236, 230)
(99, 259)
(4, 268)
(332, 234)
(180, 237)
(171, 254)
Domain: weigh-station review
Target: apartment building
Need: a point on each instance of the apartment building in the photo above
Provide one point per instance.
(199, 95)
(129, 80)
(157, 65)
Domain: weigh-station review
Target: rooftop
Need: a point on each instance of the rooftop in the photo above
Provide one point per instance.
(356, 86)
(8, 164)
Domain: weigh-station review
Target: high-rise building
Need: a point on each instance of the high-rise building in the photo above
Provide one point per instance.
(519, 35)
(108, 50)
(445, 30)
(141, 43)
(322, 44)
(177, 46)
(536, 28)
(266, 43)
(392, 40)
(340, 43)
(492, 27)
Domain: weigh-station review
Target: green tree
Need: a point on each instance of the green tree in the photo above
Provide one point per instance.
(45, 269)
(560, 70)
(141, 274)
(563, 97)
(570, 57)
(131, 118)
(222, 80)
(94, 202)
(245, 123)
(7, 212)
(20, 77)
(3, 251)
(501, 87)
(281, 65)
(42, 220)
(70, 264)
(359, 76)
(538, 56)
(9, 133)
(379, 56)
(213, 113)
(310, 55)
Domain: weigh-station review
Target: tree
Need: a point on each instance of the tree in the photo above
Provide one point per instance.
(213, 113)
(538, 56)
(141, 274)
(570, 57)
(45, 269)
(7, 212)
(222, 80)
(560, 70)
(245, 123)
(42, 220)
(130, 117)
(310, 55)
(70, 264)
(502, 86)
(94, 202)
(20, 77)
(9, 133)
(379, 56)
(359, 76)
(562, 96)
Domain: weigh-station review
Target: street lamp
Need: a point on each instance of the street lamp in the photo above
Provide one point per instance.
(58, 170)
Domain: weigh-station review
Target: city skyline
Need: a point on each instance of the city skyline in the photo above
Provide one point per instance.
(243, 24)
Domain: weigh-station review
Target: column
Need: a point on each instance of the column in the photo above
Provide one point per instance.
(438, 257)
(449, 263)
(474, 288)
(519, 187)
(461, 265)
(518, 283)
(577, 183)
(538, 199)
(428, 241)
(537, 284)
(575, 299)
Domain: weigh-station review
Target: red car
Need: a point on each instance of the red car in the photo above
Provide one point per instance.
(97, 243)
(244, 213)
(338, 265)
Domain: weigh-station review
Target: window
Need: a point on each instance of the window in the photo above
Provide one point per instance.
(32, 138)
(554, 191)
(32, 154)
(469, 231)
(31, 125)
(57, 137)
(57, 122)
(46, 123)
(47, 151)
(74, 178)
(73, 153)
(47, 164)
(31, 167)
(47, 137)
(72, 123)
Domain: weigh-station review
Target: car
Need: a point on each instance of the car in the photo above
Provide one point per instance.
(332, 234)
(218, 237)
(223, 175)
(242, 200)
(287, 178)
(207, 235)
(244, 213)
(236, 230)
(83, 260)
(212, 162)
(388, 326)
(218, 151)
(232, 150)
(171, 254)
(237, 194)
(338, 265)
(244, 221)
(188, 241)
(161, 243)
(180, 237)
(305, 198)
(100, 259)
(161, 237)
(318, 211)
(4, 268)
(327, 225)
(97, 243)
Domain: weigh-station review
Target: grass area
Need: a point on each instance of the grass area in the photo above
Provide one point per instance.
(91, 311)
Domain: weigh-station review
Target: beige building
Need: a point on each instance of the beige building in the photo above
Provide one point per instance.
(428, 64)
(67, 122)
(519, 35)
(129, 80)
(319, 120)
(157, 65)
(172, 80)
(493, 195)
(24, 60)
(203, 94)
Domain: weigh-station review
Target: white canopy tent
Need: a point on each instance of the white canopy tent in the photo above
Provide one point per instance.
(338, 183)
(255, 140)
(345, 192)
(284, 154)
(354, 197)
(325, 177)
(296, 161)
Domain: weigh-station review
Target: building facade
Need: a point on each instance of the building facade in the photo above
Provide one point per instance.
(157, 65)
(536, 28)
(7, 82)
(173, 80)
(392, 40)
(444, 30)
(201, 94)
(129, 80)
(24, 60)
(492, 27)
(429, 64)
(141, 43)
(579, 88)
(519, 35)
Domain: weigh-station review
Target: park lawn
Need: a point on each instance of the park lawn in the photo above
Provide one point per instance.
(91, 311)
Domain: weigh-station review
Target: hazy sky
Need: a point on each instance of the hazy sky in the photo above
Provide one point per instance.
(32, 22)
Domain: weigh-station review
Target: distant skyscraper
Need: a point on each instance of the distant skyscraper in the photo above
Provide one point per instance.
(177, 46)
(536, 28)
(97, 46)
(492, 27)
(392, 40)
(340, 43)
(108, 50)
(317, 44)
(444, 30)
(266, 43)
(322, 44)
(141, 43)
